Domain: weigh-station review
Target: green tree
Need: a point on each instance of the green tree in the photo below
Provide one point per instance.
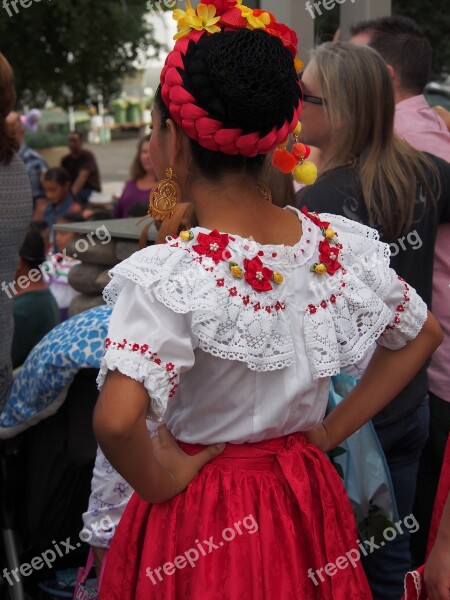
(68, 49)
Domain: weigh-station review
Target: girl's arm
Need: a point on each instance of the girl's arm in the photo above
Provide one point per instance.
(387, 374)
(155, 467)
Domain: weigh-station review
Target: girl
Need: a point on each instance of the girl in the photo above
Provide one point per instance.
(59, 277)
(56, 184)
(218, 333)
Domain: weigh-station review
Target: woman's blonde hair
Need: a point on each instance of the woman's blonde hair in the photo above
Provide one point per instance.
(8, 141)
(360, 103)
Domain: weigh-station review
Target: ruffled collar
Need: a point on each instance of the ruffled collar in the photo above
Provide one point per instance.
(274, 256)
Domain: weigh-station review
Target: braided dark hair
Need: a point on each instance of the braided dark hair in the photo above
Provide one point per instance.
(246, 80)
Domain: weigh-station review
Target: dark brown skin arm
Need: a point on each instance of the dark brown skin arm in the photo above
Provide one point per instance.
(156, 468)
(387, 374)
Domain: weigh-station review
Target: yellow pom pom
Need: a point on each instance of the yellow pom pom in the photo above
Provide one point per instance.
(320, 269)
(236, 271)
(277, 277)
(298, 129)
(186, 236)
(329, 233)
(305, 173)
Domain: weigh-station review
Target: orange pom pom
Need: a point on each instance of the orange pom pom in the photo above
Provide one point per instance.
(284, 161)
(301, 151)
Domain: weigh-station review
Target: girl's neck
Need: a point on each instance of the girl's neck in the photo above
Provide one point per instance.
(243, 211)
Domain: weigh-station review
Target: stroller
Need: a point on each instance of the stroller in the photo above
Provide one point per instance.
(47, 453)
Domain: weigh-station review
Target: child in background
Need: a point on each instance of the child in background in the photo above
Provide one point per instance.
(56, 184)
(62, 264)
(35, 310)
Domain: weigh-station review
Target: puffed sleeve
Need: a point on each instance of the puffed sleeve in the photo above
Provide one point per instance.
(362, 302)
(148, 342)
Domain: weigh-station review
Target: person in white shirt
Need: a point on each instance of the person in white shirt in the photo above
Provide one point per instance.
(229, 333)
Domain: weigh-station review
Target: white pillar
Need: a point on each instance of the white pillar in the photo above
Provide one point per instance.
(294, 14)
(353, 11)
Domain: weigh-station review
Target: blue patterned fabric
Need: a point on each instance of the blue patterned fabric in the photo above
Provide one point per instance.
(51, 366)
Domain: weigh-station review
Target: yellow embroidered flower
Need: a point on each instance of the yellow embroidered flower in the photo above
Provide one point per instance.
(236, 271)
(186, 236)
(329, 233)
(260, 22)
(202, 19)
(320, 269)
(278, 277)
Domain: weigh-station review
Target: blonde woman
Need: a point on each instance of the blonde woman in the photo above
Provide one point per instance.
(371, 176)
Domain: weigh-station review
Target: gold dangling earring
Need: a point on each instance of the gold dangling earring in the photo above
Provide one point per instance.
(164, 197)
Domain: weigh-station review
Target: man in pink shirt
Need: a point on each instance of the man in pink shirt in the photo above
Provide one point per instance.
(408, 55)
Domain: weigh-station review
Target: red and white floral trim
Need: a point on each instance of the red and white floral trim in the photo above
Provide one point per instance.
(232, 289)
(144, 350)
(401, 307)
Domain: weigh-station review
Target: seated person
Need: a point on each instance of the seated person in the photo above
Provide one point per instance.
(142, 179)
(60, 200)
(62, 291)
(34, 309)
(82, 168)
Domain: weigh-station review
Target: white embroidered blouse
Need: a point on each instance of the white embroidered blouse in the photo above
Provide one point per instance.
(226, 353)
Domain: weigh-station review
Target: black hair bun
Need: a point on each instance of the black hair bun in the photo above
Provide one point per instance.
(246, 79)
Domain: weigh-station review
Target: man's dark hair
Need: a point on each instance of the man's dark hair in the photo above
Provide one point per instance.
(403, 45)
(32, 251)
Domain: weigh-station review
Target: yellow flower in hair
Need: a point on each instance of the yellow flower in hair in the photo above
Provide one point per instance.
(202, 19)
(207, 13)
(260, 22)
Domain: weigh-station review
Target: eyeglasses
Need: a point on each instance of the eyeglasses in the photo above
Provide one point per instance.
(312, 99)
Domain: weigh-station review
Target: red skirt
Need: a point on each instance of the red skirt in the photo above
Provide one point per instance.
(262, 521)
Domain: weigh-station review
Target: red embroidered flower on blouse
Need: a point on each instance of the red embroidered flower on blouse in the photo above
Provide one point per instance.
(212, 245)
(315, 219)
(328, 255)
(257, 275)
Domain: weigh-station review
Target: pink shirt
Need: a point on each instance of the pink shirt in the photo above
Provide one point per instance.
(419, 125)
(424, 129)
(439, 370)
